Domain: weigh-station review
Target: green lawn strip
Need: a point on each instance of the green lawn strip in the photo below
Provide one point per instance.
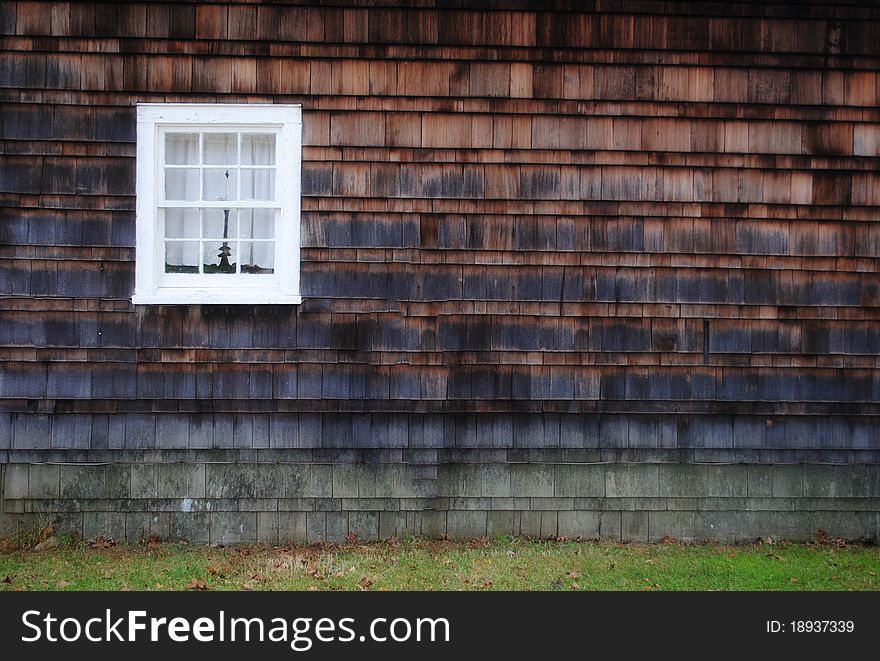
(422, 565)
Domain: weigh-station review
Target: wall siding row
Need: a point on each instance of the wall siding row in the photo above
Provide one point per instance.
(433, 26)
(426, 438)
(397, 335)
(431, 78)
(400, 384)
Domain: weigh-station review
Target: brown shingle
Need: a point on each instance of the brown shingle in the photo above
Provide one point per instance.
(350, 77)
(211, 22)
(579, 193)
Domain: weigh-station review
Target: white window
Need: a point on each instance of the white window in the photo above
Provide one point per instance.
(218, 203)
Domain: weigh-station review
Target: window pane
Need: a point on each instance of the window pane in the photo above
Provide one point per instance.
(219, 256)
(219, 184)
(182, 148)
(219, 220)
(258, 184)
(182, 184)
(220, 148)
(181, 257)
(258, 257)
(257, 223)
(181, 223)
(258, 149)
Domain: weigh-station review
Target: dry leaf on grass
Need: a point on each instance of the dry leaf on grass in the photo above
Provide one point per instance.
(197, 584)
(101, 542)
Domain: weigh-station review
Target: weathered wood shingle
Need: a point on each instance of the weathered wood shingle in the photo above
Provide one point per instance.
(504, 210)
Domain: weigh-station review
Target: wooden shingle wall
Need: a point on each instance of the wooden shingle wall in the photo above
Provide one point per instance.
(637, 227)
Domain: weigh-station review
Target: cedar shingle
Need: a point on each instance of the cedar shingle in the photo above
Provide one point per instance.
(157, 20)
(182, 21)
(296, 76)
(526, 232)
(32, 18)
(211, 22)
(8, 11)
(493, 80)
(244, 76)
(357, 128)
(23, 70)
(211, 75)
(350, 77)
(382, 77)
(446, 131)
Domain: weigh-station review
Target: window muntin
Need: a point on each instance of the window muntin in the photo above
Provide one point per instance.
(218, 203)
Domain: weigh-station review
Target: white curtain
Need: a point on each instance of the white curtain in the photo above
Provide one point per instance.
(218, 167)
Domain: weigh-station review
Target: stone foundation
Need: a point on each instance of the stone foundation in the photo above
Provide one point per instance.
(218, 497)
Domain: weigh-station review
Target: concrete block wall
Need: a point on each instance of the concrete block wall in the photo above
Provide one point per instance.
(219, 498)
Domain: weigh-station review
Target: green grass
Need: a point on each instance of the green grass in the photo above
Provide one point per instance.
(503, 564)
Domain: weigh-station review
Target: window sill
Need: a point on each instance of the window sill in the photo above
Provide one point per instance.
(215, 298)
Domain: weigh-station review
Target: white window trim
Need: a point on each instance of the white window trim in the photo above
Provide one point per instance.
(152, 119)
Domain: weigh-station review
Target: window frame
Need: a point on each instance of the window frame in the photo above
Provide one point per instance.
(152, 286)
